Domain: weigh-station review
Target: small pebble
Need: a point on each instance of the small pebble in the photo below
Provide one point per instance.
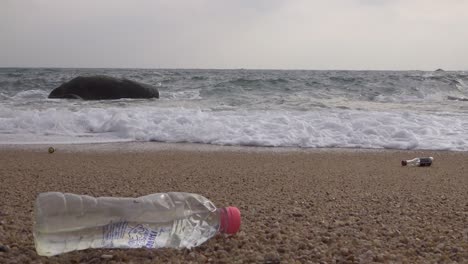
(4, 248)
(281, 250)
(379, 258)
(344, 251)
(105, 256)
(272, 257)
(367, 257)
(297, 214)
(202, 258)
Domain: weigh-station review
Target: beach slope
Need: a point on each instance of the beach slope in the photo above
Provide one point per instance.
(297, 206)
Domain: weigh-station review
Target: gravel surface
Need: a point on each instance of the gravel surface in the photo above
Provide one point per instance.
(297, 207)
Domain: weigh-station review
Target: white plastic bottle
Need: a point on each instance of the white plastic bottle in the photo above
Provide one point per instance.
(66, 222)
(420, 162)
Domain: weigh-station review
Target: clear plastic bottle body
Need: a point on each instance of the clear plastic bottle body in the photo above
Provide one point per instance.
(68, 222)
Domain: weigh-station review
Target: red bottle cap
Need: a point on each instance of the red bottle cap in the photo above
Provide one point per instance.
(230, 220)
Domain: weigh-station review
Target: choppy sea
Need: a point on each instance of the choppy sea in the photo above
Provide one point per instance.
(274, 108)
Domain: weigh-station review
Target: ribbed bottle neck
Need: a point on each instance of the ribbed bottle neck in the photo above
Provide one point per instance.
(223, 220)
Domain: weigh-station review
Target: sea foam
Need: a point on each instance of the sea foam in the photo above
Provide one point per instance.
(342, 128)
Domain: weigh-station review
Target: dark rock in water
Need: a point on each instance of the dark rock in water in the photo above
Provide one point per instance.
(102, 88)
(439, 70)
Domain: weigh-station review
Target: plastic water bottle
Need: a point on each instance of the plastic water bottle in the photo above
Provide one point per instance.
(66, 222)
(420, 162)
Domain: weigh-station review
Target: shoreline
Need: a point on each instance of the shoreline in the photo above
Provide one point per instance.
(136, 146)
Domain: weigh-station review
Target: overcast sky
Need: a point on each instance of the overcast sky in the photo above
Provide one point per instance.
(260, 34)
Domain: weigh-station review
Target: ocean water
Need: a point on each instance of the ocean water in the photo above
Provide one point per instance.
(305, 109)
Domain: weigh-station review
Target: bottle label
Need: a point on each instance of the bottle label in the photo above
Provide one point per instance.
(138, 235)
(113, 231)
(134, 235)
(423, 162)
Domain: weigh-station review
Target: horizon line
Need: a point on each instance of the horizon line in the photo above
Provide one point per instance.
(240, 68)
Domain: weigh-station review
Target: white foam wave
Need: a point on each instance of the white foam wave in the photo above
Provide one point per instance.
(328, 128)
(184, 95)
(461, 86)
(31, 94)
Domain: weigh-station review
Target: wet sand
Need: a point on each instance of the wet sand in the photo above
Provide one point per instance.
(297, 206)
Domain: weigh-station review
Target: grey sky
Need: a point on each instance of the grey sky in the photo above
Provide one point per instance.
(271, 34)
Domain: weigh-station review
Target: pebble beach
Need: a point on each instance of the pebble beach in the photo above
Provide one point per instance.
(297, 206)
